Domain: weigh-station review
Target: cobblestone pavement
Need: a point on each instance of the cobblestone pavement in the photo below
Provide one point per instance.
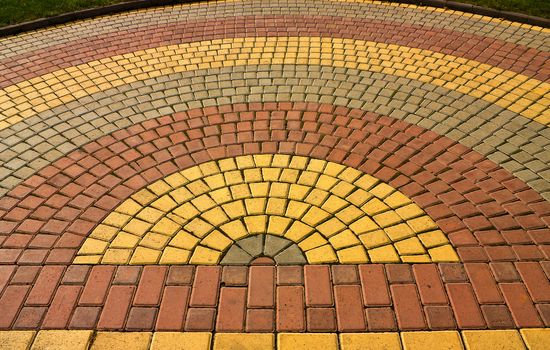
(288, 174)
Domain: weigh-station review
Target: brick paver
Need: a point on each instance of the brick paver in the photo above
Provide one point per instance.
(328, 174)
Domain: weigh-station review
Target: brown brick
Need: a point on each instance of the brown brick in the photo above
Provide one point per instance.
(465, 306)
(429, 284)
(440, 317)
(407, 307)
(349, 308)
(235, 275)
(97, 285)
(127, 275)
(85, 317)
(345, 274)
(544, 312)
(150, 286)
(484, 284)
(374, 285)
(200, 319)
(290, 308)
(535, 280)
(45, 285)
(23, 275)
(318, 286)
(504, 272)
(520, 304)
(62, 307)
(453, 272)
(381, 319)
(75, 274)
(289, 275)
(399, 273)
(205, 286)
(321, 319)
(231, 309)
(180, 275)
(261, 284)
(260, 320)
(141, 318)
(173, 308)
(116, 307)
(29, 318)
(497, 316)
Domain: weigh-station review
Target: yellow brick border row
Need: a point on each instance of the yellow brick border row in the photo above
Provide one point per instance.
(515, 92)
(531, 338)
(335, 214)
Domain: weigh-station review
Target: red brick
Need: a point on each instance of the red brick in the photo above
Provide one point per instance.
(7, 271)
(127, 274)
(465, 306)
(97, 285)
(374, 285)
(11, 301)
(317, 285)
(200, 319)
(321, 319)
(381, 319)
(29, 318)
(261, 284)
(504, 272)
(75, 274)
(180, 275)
(173, 308)
(429, 284)
(235, 275)
(62, 307)
(85, 317)
(439, 317)
(535, 280)
(150, 286)
(289, 275)
(399, 273)
(520, 304)
(116, 307)
(453, 272)
(290, 308)
(544, 312)
(497, 316)
(205, 286)
(260, 320)
(407, 307)
(231, 309)
(345, 274)
(349, 308)
(484, 284)
(141, 318)
(45, 285)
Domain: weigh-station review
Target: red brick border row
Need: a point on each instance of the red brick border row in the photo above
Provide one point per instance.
(487, 213)
(499, 53)
(314, 298)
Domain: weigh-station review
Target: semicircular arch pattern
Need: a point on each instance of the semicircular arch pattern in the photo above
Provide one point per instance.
(335, 214)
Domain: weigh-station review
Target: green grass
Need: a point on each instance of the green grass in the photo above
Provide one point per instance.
(17, 11)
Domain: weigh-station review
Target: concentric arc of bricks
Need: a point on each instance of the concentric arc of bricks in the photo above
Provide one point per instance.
(233, 174)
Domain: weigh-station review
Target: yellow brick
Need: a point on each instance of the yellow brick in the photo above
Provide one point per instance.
(384, 254)
(137, 227)
(215, 181)
(62, 340)
(117, 340)
(493, 339)
(16, 340)
(166, 227)
(243, 341)
(326, 182)
(164, 203)
(279, 189)
(409, 211)
(233, 177)
(221, 195)
(298, 231)
(352, 255)
(198, 187)
(314, 216)
(255, 205)
(252, 175)
(386, 219)
(349, 214)
(298, 162)
(271, 174)
(104, 232)
(198, 227)
(129, 207)
(124, 240)
(422, 224)
(185, 240)
(374, 239)
(334, 204)
(144, 197)
(370, 341)
(298, 192)
(445, 340)
(240, 191)
(260, 189)
(382, 190)
(93, 246)
(186, 211)
(397, 199)
(374, 206)
(409, 246)
(205, 256)
(415, 259)
(171, 255)
(159, 188)
(313, 241)
(307, 341)
(363, 225)
(217, 240)
(277, 225)
(116, 256)
(536, 338)
(316, 165)
(181, 341)
(234, 209)
(349, 174)
(192, 173)
(316, 197)
(256, 224)
(262, 160)
(308, 178)
(144, 255)
(296, 209)
(276, 206)
(289, 175)
(215, 216)
(398, 232)
(154, 241)
(150, 215)
(203, 203)
(88, 259)
(280, 160)
(344, 239)
(321, 255)
(116, 219)
(366, 182)
(433, 238)
(333, 169)
(342, 189)
(444, 253)
(235, 229)
(175, 180)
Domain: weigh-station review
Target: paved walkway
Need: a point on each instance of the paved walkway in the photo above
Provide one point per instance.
(288, 174)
